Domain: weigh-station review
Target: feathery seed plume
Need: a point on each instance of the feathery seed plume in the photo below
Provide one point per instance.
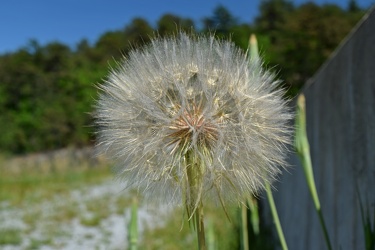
(191, 118)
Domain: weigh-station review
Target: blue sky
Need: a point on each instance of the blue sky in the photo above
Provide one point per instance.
(69, 21)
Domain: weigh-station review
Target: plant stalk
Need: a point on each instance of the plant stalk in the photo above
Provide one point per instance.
(200, 227)
(275, 216)
(245, 238)
(303, 149)
(133, 227)
(194, 171)
(254, 213)
(254, 56)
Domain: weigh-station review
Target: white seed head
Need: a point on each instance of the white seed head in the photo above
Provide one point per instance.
(193, 95)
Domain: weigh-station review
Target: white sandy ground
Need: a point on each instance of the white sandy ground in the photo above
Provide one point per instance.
(110, 234)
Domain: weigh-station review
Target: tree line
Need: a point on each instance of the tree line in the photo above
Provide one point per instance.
(47, 92)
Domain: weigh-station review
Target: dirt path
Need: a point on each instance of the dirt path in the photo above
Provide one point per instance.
(95, 217)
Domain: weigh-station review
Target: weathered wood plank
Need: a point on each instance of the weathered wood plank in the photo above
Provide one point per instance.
(340, 106)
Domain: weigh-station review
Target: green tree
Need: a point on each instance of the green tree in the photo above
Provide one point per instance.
(170, 24)
(110, 45)
(305, 39)
(221, 21)
(138, 33)
(353, 6)
(272, 17)
(47, 92)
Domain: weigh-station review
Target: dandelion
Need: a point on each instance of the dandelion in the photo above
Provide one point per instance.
(190, 119)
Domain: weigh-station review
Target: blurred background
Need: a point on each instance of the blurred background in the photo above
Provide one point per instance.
(54, 192)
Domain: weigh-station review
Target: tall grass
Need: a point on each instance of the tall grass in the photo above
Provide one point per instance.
(32, 186)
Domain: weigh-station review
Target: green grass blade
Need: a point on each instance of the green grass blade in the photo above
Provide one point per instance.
(133, 226)
(368, 227)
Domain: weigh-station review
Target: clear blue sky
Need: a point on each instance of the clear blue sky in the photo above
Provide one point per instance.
(69, 21)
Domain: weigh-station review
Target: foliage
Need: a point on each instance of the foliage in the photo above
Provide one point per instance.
(299, 39)
(44, 209)
(47, 92)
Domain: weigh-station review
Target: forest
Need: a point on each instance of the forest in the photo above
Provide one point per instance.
(47, 93)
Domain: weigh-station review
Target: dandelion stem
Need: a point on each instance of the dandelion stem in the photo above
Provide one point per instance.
(254, 214)
(303, 149)
(275, 216)
(326, 236)
(195, 205)
(180, 117)
(200, 227)
(254, 56)
(245, 238)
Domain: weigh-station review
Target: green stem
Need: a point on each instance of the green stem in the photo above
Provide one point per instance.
(200, 227)
(211, 242)
(325, 232)
(253, 205)
(303, 149)
(275, 216)
(195, 206)
(245, 238)
(314, 194)
(254, 56)
(133, 229)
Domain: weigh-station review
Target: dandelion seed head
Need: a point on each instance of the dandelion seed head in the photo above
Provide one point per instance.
(197, 97)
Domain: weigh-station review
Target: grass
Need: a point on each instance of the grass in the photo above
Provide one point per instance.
(31, 187)
(26, 191)
(29, 193)
(38, 243)
(10, 237)
(91, 220)
(177, 234)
